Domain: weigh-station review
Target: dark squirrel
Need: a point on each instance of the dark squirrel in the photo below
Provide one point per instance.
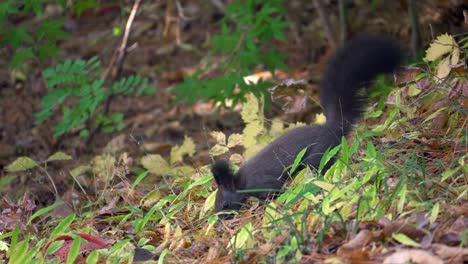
(351, 68)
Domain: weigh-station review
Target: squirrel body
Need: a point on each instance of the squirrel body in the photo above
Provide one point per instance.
(351, 68)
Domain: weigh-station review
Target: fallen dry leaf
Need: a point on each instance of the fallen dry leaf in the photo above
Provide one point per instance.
(412, 255)
(358, 242)
(452, 255)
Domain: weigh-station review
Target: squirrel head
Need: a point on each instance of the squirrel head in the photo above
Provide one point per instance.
(228, 198)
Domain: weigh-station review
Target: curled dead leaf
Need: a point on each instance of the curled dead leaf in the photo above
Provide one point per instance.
(356, 243)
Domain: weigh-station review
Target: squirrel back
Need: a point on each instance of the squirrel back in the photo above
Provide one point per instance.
(352, 67)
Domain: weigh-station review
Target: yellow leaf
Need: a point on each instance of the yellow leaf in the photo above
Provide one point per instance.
(59, 156)
(405, 240)
(442, 70)
(455, 55)
(152, 197)
(3, 246)
(434, 213)
(203, 171)
(271, 214)
(276, 128)
(435, 114)
(182, 171)
(250, 152)
(320, 119)
(217, 150)
(298, 124)
(439, 47)
(155, 164)
(243, 239)
(209, 203)
(324, 185)
(178, 152)
(21, 164)
(413, 91)
(234, 140)
(251, 109)
(236, 158)
(251, 131)
(103, 166)
(167, 235)
(326, 207)
(176, 238)
(79, 170)
(347, 210)
(220, 137)
(402, 201)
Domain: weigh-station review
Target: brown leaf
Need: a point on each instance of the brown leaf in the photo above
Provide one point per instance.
(412, 255)
(357, 243)
(293, 95)
(15, 215)
(457, 210)
(406, 74)
(459, 225)
(401, 227)
(452, 255)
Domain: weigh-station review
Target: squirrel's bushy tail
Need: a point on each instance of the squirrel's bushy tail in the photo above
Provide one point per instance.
(352, 67)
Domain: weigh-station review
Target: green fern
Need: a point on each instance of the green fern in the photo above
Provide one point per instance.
(80, 82)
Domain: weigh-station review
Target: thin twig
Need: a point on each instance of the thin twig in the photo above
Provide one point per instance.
(117, 62)
(123, 46)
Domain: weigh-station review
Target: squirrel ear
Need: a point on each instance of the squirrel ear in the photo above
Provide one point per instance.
(222, 174)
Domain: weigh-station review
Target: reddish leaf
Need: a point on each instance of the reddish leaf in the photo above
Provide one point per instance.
(93, 243)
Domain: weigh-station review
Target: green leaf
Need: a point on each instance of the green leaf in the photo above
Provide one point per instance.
(163, 255)
(21, 164)
(405, 240)
(20, 57)
(17, 36)
(44, 210)
(52, 30)
(34, 5)
(59, 156)
(199, 182)
(93, 257)
(6, 180)
(139, 178)
(7, 7)
(74, 250)
(54, 247)
(47, 51)
(19, 252)
(62, 226)
(327, 156)
(449, 173)
(297, 160)
(139, 226)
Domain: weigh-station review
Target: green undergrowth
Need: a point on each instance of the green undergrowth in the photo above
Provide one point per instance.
(407, 157)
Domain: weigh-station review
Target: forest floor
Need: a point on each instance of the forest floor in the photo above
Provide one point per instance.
(165, 47)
